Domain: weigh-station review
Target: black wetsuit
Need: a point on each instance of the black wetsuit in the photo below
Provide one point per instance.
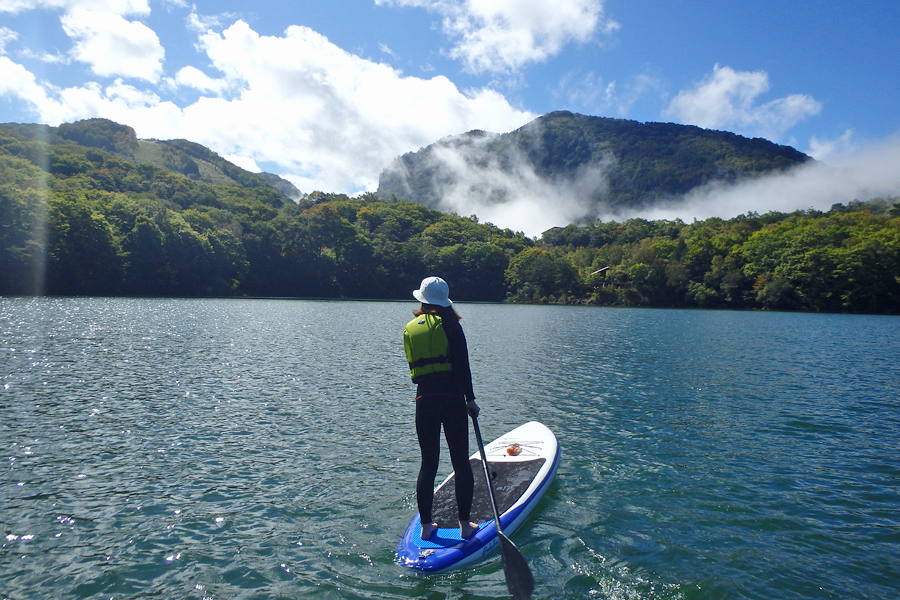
(441, 401)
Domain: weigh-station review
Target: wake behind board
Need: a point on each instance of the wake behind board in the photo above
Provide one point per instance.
(522, 463)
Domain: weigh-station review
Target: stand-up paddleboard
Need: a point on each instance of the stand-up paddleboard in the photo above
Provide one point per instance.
(522, 463)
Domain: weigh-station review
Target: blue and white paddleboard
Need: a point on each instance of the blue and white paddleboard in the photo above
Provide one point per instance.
(522, 463)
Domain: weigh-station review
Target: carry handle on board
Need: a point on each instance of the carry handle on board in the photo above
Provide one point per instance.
(518, 576)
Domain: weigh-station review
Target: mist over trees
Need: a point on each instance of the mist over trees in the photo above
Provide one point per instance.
(88, 209)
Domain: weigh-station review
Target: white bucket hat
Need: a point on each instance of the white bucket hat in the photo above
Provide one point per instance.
(433, 290)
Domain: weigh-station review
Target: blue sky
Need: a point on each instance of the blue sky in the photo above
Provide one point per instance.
(328, 93)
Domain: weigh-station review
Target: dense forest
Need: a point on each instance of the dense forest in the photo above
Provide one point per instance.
(844, 260)
(84, 211)
(642, 164)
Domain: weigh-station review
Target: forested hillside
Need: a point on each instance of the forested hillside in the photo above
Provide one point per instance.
(90, 219)
(81, 214)
(617, 163)
(179, 156)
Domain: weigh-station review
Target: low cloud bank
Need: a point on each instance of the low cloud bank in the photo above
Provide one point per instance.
(505, 189)
(867, 174)
(470, 175)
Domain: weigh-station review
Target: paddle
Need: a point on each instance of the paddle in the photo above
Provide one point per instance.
(518, 576)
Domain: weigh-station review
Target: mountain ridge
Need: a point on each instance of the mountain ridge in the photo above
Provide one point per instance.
(180, 156)
(613, 164)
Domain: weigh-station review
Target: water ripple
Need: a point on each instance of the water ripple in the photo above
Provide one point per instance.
(215, 449)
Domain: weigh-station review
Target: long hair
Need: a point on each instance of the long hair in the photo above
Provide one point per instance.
(444, 312)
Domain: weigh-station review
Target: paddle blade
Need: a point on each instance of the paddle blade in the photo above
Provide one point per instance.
(518, 576)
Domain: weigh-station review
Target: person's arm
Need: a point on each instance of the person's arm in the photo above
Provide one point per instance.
(459, 358)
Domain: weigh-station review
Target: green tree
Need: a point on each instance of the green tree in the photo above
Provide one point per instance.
(229, 264)
(147, 259)
(101, 133)
(84, 256)
(536, 275)
(485, 267)
(23, 207)
(168, 258)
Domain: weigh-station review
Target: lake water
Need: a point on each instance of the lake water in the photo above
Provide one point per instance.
(222, 449)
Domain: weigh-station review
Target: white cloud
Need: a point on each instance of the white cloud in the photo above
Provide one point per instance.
(202, 23)
(248, 164)
(119, 7)
(505, 35)
(863, 175)
(330, 119)
(588, 93)
(521, 199)
(118, 101)
(46, 57)
(728, 99)
(6, 35)
(114, 46)
(385, 49)
(17, 81)
(825, 150)
(327, 119)
(471, 174)
(193, 77)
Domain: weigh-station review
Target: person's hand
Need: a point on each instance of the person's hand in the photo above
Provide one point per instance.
(472, 408)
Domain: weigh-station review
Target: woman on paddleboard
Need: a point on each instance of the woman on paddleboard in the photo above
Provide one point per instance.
(438, 360)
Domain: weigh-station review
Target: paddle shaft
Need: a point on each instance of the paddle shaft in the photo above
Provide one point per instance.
(487, 475)
(518, 576)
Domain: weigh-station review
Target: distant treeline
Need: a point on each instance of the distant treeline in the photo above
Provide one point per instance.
(78, 220)
(843, 260)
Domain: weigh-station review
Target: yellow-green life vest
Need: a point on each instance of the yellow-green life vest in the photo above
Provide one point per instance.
(426, 346)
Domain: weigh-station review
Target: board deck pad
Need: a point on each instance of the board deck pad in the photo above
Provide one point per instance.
(510, 480)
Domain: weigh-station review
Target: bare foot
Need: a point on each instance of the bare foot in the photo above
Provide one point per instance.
(467, 529)
(428, 529)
